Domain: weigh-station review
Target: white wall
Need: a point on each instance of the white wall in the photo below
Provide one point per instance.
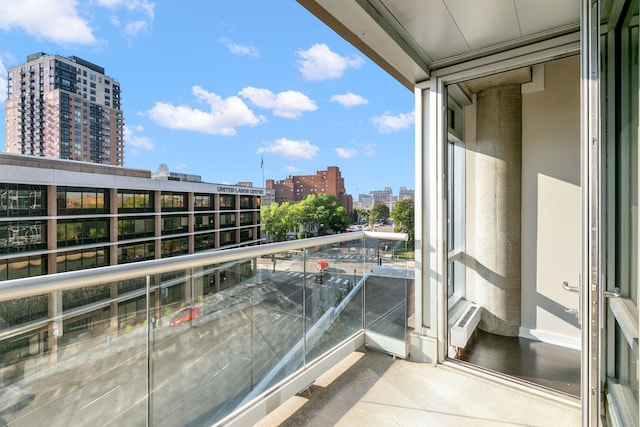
(551, 210)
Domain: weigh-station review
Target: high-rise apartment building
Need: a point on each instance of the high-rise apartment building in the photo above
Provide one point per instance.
(64, 108)
(296, 188)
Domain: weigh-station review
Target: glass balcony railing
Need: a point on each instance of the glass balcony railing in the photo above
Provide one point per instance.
(190, 340)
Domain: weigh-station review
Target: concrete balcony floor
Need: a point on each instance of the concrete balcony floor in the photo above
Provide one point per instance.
(374, 389)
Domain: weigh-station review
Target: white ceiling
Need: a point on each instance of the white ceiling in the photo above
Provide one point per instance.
(410, 38)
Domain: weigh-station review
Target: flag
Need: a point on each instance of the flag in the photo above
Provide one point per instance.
(261, 161)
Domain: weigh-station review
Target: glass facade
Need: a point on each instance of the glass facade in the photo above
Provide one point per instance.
(18, 200)
(78, 201)
(135, 201)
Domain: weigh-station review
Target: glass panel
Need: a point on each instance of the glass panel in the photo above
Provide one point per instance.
(621, 344)
(210, 338)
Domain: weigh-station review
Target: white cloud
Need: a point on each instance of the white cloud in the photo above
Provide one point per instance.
(223, 117)
(54, 20)
(134, 142)
(133, 28)
(180, 166)
(147, 8)
(290, 149)
(320, 63)
(288, 104)
(349, 99)
(240, 50)
(139, 15)
(387, 123)
(369, 149)
(346, 153)
(292, 169)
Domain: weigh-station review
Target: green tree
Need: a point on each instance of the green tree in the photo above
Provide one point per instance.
(403, 216)
(359, 214)
(321, 213)
(378, 212)
(277, 220)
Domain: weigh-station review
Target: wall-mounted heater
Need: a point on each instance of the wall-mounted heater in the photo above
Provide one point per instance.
(462, 330)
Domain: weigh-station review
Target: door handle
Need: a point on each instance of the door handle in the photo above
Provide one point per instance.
(567, 287)
(615, 293)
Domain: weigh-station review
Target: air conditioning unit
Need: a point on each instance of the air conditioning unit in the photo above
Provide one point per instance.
(462, 330)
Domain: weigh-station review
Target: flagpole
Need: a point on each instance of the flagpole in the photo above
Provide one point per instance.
(262, 167)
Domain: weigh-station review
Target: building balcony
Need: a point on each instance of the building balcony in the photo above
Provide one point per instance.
(317, 328)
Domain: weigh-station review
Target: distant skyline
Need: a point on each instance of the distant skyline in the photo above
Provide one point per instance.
(216, 88)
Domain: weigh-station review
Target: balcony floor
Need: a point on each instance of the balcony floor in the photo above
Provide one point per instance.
(375, 389)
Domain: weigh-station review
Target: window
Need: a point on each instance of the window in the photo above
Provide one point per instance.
(82, 232)
(135, 201)
(204, 222)
(227, 220)
(82, 259)
(22, 200)
(75, 201)
(22, 236)
(175, 224)
(173, 201)
(173, 247)
(227, 202)
(134, 228)
(136, 252)
(204, 241)
(203, 201)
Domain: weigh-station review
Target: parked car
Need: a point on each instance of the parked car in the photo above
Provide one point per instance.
(185, 315)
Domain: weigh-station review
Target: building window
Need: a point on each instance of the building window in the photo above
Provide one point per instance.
(203, 201)
(82, 259)
(18, 268)
(22, 200)
(175, 224)
(135, 228)
(246, 218)
(204, 222)
(76, 201)
(227, 220)
(174, 247)
(173, 201)
(135, 201)
(456, 213)
(227, 238)
(204, 241)
(22, 236)
(136, 252)
(246, 234)
(246, 202)
(82, 232)
(227, 202)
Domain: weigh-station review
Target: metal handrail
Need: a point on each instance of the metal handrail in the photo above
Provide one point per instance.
(39, 285)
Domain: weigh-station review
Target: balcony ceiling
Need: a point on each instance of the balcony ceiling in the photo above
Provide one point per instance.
(411, 38)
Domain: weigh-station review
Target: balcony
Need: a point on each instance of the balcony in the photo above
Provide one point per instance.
(115, 346)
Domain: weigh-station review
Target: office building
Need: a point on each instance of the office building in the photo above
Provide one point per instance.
(297, 187)
(405, 193)
(64, 108)
(58, 216)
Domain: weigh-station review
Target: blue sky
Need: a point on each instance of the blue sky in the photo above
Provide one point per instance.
(212, 87)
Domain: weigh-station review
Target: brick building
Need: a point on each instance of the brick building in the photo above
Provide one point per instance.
(297, 187)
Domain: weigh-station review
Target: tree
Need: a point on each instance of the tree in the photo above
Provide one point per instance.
(378, 212)
(321, 212)
(403, 218)
(359, 214)
(277, 220)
